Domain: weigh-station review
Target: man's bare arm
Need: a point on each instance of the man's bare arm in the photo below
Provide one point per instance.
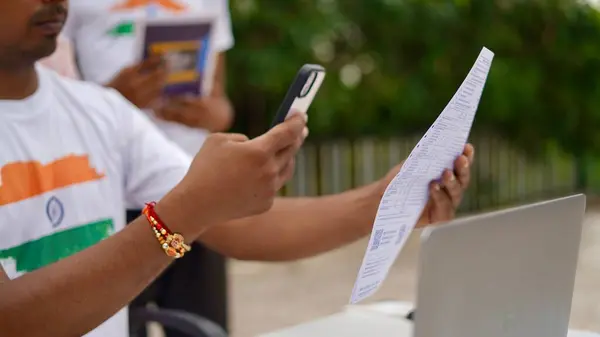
(75, 295)
(296, 228)
(302, 227)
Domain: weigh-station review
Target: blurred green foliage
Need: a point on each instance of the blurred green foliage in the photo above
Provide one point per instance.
(393, 65)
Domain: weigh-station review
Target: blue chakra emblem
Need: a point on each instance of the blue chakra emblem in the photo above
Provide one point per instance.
(55, 211)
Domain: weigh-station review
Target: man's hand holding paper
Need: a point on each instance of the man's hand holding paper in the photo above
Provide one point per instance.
(445, 194)
(410, 198)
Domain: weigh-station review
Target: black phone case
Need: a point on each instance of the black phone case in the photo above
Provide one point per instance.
(294, 91)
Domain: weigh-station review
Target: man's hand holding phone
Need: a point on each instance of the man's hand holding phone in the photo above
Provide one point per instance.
(234, 177)
(301, 92)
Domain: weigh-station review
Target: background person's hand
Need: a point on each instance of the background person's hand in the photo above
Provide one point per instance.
(141, 84)
(446, 194)
(233, 177)
(211, 113)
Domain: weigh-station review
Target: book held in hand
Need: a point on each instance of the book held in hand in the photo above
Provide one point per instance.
(184, 43)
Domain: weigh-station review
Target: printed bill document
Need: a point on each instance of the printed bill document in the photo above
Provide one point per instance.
(407, 194)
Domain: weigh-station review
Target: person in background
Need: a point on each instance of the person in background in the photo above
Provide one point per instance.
(103, 36)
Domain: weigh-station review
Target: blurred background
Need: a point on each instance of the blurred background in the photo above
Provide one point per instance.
(392, 66)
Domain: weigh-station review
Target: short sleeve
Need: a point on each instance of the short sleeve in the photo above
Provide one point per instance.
(152, 164)
(223, 33)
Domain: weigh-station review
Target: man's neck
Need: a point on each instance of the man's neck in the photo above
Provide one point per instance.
(18, 83)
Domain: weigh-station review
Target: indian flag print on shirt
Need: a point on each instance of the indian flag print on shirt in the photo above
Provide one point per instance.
(152, 6)
(24, 187)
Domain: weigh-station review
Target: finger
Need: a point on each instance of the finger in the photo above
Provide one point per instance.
(441, 206)
(304, 133)
(286, 156)
(221, 137)
(286, 173)
(462, 170)
(166, 113)
(153, 80)
(452, 187)
(158, 76)
(293, 113)
(150, 86)
(469, 152)
(288, 153)
(236, 137)
(296, 145)
(146, 94)
(177, 102)
(150, 63)
(147, 99)
(282, 135)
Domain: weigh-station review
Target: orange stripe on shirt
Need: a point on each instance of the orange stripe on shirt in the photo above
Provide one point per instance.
(24, 180)
(134, 4)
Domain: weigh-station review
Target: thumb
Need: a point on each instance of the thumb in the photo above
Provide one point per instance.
(236, 137)
(282, 135)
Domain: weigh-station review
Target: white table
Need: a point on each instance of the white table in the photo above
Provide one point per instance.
(381, 320)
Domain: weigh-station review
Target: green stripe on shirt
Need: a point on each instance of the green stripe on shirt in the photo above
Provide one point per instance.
(122, 29)
(35, 254)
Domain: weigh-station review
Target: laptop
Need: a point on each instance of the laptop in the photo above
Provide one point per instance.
(509, 273)
(503, 274)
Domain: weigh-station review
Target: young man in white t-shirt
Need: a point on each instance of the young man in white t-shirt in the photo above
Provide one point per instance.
(103, 36)
(74, 153)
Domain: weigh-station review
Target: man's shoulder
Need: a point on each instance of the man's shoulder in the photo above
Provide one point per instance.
(92, 104)
(87, 96)
(74, 86)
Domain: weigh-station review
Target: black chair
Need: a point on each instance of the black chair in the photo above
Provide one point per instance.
(183, 322)
(191, 294)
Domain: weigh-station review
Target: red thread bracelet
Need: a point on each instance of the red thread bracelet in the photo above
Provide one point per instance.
(172, 243)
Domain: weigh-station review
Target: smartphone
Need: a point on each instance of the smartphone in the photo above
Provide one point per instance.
(302, 91)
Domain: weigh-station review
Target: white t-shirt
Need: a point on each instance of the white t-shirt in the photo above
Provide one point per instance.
(71, 155)
(105, 43)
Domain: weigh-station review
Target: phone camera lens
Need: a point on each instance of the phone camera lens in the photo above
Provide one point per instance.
(309, 83)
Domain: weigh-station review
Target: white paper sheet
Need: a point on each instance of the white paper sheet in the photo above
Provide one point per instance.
(407, 194)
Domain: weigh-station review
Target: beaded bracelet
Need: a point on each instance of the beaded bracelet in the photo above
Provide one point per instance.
(172, 243)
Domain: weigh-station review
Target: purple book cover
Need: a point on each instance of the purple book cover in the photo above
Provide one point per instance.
(185, 48)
